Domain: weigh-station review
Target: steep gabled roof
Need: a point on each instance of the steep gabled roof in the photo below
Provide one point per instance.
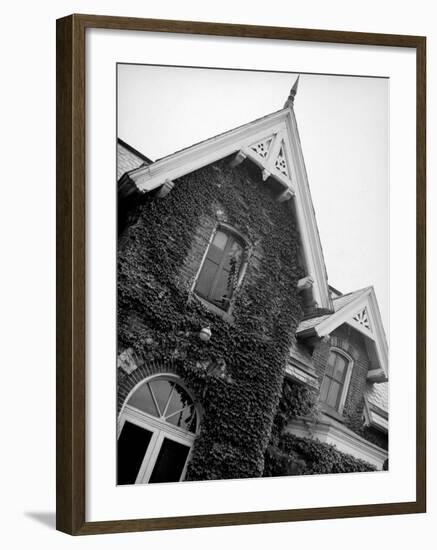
(338, 303)
(271, 142)
(360, 310)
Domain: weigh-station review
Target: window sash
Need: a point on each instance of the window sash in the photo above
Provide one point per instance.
(334, 384)
(160, 431)
(336, 360)
(221, 272)
(332, 390)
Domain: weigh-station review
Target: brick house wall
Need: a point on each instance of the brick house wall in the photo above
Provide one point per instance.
(353, 343)
(159, 319)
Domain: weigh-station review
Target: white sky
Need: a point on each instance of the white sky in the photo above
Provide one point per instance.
(343, 126)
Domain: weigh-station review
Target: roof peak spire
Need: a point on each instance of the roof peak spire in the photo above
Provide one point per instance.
(292, 95)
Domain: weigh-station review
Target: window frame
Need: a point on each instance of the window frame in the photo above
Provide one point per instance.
(159, 428)
(346, 383)
(246, 251)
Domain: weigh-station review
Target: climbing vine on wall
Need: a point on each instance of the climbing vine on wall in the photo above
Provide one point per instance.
(288, 454)
(158, 317)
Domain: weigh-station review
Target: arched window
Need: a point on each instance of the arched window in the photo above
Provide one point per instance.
(222, 268)
(336, 380)
(156, 431)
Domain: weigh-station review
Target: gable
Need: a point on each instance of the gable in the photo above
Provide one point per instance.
(270, 154)
(362, 318)
(359, 310)
(273, 144)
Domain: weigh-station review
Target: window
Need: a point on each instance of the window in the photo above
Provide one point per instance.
(157, 428)
(334, 386)
(222, 269)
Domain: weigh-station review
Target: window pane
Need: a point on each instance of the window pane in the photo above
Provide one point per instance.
(333, 394)
(340, 367)
(215, 251)
(179, 400)
(170, 463)
(220, 239)
(206, 278)
(332, 357)
(131, 448)
(324, 389)
(192, 424)
(218, 276)
(233, 257)
(142, 399)
(184, 419)
(161, 390)
(223, 289)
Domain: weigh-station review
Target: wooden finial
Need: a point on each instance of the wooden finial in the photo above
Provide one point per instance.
(292, 95)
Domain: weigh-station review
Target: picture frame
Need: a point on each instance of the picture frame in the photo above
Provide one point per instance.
(71, 205)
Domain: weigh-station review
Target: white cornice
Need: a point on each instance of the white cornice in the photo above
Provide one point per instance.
(282, 127)
(201, 154)
(313, 252)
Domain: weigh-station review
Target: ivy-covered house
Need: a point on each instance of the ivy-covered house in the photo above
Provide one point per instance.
(235, 357)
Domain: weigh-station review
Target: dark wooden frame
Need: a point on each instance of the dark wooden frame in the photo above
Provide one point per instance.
(70, 298)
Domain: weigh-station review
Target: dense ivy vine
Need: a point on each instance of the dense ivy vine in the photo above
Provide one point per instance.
(158, 318)
(373, 436)
(288, 454)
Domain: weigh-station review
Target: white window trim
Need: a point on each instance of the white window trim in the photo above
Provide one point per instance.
(159, 428)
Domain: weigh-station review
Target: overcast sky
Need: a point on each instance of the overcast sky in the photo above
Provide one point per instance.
(343, 126)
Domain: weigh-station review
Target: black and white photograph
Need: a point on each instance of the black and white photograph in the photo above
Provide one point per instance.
(252, 274)
(217, 285)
